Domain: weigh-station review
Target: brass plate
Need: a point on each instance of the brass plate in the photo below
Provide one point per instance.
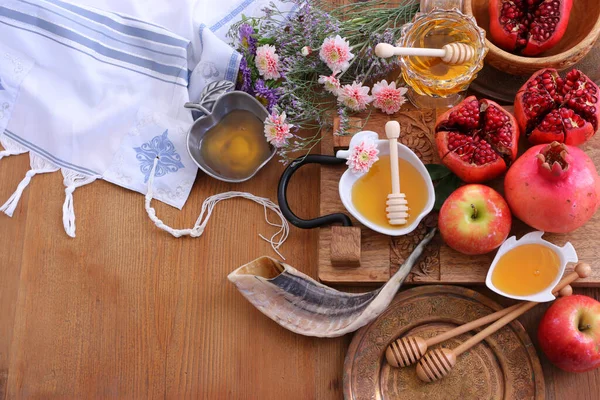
(504, 366)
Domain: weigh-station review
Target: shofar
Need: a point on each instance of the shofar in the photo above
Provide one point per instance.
(303, 305)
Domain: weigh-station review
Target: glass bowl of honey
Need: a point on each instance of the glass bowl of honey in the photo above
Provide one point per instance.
(529, 268)
(364, 195)
(432, 82)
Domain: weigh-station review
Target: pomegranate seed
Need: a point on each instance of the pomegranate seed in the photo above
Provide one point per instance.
(552, 123)
(466, 117)
(531, 20)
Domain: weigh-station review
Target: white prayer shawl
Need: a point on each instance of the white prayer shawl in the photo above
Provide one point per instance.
(96, 89)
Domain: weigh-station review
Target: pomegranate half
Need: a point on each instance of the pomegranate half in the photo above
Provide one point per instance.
(477, 139)
(553, 188)
(549, 108)
(528, 27)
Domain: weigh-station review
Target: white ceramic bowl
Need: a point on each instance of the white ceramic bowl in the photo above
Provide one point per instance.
(349, 178)
(566, 255)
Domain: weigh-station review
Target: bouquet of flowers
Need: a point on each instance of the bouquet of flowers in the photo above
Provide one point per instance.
(303, 64)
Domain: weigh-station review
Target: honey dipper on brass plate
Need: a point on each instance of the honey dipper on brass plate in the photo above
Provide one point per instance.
(397, 206)
(437, 363)
(408, 350)
(452, 53)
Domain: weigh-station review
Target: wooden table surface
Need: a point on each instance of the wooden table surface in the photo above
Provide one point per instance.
(127, 311)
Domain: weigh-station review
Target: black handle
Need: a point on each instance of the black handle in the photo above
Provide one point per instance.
(282, 193)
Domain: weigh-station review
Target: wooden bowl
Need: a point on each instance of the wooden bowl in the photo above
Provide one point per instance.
(581, 34)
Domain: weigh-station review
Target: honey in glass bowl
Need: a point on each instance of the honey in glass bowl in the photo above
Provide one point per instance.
(429, 77)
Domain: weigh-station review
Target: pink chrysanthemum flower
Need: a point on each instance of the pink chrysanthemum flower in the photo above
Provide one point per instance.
(335, 52)
(331, 83)
(355, 97)
(267, 62)
(277, 131)
(387, 97)
(362, 156)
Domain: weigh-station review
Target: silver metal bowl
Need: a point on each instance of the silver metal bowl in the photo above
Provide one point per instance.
(214, 112)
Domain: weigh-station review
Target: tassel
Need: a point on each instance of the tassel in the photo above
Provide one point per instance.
(72, 180)
(276, 240)
(38, 166)
(11, 148)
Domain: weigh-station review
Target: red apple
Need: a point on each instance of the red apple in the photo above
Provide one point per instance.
(569, 333)
(475, 219)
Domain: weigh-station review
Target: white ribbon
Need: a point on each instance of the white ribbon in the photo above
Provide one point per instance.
(276, 240)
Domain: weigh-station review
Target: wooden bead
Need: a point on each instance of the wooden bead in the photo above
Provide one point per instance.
(583, 270)
(405, 351)
(458, 53)
(397, 209)
(435, 364)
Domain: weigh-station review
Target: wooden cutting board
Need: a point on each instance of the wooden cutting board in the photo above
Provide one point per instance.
(382, 255)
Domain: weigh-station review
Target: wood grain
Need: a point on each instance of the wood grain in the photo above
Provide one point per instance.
(375, 265)
(443, 264)
(126, 311)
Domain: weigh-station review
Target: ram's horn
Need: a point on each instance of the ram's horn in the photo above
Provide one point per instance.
(302, 305)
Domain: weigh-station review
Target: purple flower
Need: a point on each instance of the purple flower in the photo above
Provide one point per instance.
(244, 82)
(267, 96)
(246, 39)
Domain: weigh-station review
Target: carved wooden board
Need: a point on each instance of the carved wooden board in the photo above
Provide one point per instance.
(382, 255)
(503, 366)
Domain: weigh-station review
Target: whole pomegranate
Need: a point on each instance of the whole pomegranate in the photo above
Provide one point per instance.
(553, 188)
(549, 108)
(528, 27)
(477, 139)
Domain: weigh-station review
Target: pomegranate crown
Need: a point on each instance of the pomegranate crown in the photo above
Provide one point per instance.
(553, 158)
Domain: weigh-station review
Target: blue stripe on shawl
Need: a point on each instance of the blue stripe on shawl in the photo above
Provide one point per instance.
(121, 27)
(110, 37)
(127, 17)
(232, 67)
(91, 55)
(231, 15)
(97, 47)
(49, 156)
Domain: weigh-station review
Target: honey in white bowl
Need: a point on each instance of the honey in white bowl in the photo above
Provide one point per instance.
(526, 270)
(370, 191)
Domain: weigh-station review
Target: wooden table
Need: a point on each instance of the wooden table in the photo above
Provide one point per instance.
(125, 310)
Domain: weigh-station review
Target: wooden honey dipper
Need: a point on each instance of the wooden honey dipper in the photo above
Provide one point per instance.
(408, 350)
(397, 206)
(437, 363)
(452, 53)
